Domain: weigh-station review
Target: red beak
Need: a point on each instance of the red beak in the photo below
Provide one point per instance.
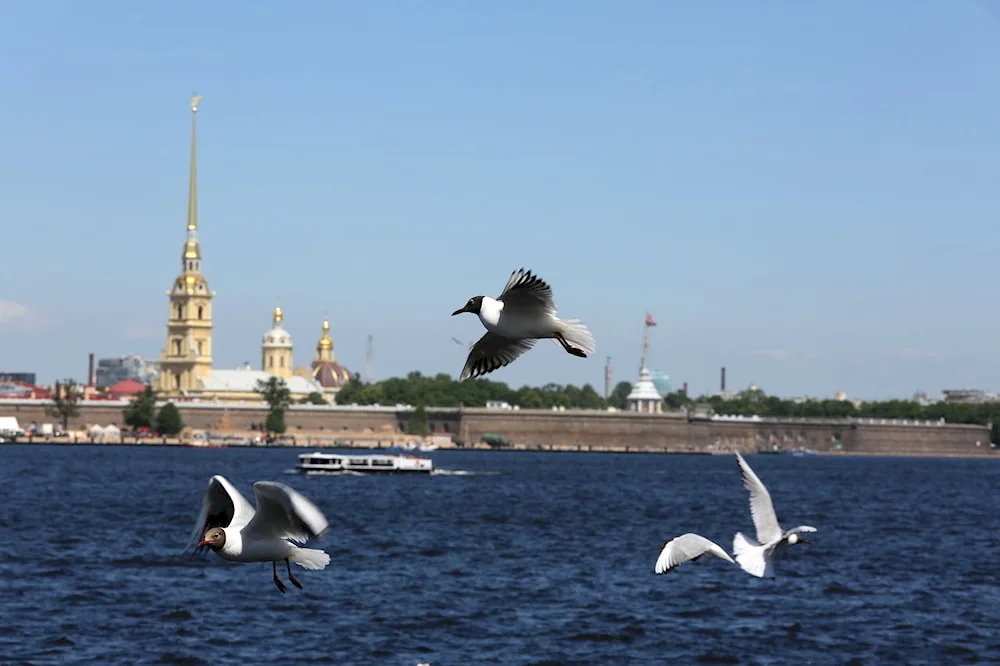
(203, 542)
(458, 311)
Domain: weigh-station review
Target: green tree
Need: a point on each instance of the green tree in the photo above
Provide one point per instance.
(419, 424)
(678, 399)
(619, 395)
(275, 393)
(275, 422)
(169, 420)
(314, 398)
(65, 401)
(141, 411)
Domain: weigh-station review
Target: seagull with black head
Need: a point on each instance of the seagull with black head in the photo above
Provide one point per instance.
(523, 313)
(272, 533)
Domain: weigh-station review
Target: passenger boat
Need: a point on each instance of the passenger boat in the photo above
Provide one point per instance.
(338, 463)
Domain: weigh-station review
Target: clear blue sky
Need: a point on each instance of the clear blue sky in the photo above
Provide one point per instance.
(802, 192)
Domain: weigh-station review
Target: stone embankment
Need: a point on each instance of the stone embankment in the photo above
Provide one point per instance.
(563, 430)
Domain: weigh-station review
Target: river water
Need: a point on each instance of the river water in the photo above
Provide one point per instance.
(531, 558)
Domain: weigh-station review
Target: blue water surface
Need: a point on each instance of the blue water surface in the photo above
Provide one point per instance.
(538, 558)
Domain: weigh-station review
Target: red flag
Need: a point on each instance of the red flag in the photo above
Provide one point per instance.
(649, 320)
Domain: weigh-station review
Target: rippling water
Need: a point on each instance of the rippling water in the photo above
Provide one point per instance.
(544, 559)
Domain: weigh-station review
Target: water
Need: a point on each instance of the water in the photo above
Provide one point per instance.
(546, 560)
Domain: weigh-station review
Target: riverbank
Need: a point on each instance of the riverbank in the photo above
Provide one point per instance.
(984, 453)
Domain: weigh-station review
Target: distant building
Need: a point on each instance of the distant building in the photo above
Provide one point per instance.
(114, 370)
(973, 396)
(661, 381)
(21, 377)
(13, 389)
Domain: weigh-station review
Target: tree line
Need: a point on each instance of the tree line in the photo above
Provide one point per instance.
(442, 390)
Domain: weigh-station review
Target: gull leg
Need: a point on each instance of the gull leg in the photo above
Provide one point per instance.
(281, 586)
(291, 577)
(570, 348)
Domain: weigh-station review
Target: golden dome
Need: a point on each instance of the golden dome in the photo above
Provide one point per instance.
(191, 282)
(325, 342)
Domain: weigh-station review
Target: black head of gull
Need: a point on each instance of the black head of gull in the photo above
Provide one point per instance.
(215, 539)
(474, 306)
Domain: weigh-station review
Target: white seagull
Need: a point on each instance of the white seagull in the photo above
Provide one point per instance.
(236, 532)
(755, 557)
(523, 313)
(687, 548)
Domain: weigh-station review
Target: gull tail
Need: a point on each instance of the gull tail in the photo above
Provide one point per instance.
(309, 558)
(752, 557)
(577, 335)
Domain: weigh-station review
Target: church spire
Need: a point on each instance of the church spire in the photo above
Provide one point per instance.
(192, 251)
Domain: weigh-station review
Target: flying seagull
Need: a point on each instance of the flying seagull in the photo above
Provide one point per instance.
(523, 313)
(232, 528)
(687, 548)
(755, 557)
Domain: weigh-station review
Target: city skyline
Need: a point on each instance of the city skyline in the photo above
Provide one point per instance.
(801, 220)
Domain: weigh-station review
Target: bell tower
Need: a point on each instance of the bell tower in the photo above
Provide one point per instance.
(188, 354)
(276, 348)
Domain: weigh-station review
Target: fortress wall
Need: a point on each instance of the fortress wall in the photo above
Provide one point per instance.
(208, 417)
(577, 430)
(944, 439)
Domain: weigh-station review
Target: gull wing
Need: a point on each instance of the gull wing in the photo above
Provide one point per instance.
(221, 506)
(492, 352)
(800, 529)
(525, 291)
(685, 548)
(285, 514)
(761, 509)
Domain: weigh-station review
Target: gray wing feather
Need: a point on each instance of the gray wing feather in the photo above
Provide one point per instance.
(221, 506)
(492, 352)
(284, 513)
(761, 508)
(685, 548)
(527, 291)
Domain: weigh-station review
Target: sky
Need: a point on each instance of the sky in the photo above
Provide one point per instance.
(804, 193)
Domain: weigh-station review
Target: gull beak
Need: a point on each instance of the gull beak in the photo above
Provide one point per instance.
(204, 542)
(459, 311)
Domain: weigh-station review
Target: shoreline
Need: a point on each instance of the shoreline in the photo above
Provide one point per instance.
(988, 453)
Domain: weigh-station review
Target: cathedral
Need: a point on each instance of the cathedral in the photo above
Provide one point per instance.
(186, 371)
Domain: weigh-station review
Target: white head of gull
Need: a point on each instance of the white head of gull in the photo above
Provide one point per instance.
(687, 548)
(755, 557)
(523, 313)
(237, 532)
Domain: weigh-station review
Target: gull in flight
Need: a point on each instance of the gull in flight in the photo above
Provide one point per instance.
(687, 548)
(523, 313)
(232, 528)
(755, 557)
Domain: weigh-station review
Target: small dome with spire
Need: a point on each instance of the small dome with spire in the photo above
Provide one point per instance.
(277, 337)
(325, 343)
(325, 369)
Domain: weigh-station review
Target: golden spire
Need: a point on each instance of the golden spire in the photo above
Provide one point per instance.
(191, 248)
(278, 316)
(325, 343)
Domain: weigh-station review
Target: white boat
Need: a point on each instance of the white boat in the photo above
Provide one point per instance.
(338, 463)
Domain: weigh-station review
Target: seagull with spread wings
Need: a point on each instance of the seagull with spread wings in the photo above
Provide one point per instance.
(236, 532)
(756, 557)
(687, 548)
(523, 313)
